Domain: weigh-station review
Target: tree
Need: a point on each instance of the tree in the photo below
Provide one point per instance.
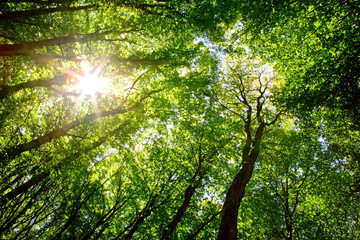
(58, 140)
(315, 46)
(247, 86)
(293, 190)
(54, 132)
(148, 119)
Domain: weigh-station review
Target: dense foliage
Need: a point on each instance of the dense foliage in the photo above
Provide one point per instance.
(167, 119)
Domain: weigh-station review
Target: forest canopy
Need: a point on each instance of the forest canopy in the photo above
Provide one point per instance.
(168, 119)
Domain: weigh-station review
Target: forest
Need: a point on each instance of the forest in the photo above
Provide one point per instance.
(170, 119)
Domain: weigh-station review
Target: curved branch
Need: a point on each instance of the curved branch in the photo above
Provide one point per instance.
(7, 90)
(23, 48)
(12, 152)
(31, 13)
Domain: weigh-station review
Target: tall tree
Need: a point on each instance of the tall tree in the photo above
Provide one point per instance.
(315, 46)
(247, 85)
(145, 120)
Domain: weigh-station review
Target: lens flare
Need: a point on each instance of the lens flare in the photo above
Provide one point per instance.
(87, 82)
(91, 84)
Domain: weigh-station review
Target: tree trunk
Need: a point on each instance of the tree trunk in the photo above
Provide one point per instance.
(228, 228)
(228, 224)
(288, 223)
(288, 214)
(189, 192)
(138, 222)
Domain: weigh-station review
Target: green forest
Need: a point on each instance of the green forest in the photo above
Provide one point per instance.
(171, 119)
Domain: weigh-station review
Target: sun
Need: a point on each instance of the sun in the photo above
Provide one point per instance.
(86, 82)
(90, 84)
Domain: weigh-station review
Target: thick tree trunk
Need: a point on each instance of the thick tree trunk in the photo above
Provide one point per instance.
(146, 212)
(235, 194)
(195, 181)
(288, 223)
(24, 187)
(252, 99)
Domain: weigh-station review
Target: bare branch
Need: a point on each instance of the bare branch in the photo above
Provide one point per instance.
(275, 119)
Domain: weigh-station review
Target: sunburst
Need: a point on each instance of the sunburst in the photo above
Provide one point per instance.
(87, 82)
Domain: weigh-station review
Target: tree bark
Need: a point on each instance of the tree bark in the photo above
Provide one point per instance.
(228, 224)
(288, 214)
(58, 80)
(195, 181)
(32, 13)
(31, 199)
(138, 222)
(235, 194)
(22, 48)
(189, 192)
(288, 223)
